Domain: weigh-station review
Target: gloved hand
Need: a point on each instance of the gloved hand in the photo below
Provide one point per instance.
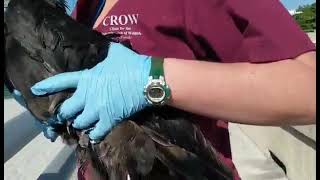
(48, 131)
(106, 94)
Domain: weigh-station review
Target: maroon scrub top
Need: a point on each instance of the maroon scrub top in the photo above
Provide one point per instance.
(226, 31)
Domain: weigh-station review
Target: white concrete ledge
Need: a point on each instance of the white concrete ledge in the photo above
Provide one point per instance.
(294, 146)
(27, 152)
(62, 166)
(309, 131)
(18, 132)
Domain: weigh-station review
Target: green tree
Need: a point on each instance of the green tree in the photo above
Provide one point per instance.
(307, 18)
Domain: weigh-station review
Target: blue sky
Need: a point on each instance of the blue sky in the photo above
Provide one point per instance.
(293, 4)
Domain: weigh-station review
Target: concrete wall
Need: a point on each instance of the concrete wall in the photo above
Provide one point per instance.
(312, 36)
(294, 146)
(28, 154)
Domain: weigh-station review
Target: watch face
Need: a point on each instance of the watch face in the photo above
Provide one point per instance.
(156, 94)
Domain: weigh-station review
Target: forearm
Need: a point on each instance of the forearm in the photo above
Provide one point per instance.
(264, 94)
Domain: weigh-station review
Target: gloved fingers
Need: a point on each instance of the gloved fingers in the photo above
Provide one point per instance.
(57, 83)
(49, 133)
(70, 5)
(70, 107)
(87, 118)
(18, 97)
(102, 127)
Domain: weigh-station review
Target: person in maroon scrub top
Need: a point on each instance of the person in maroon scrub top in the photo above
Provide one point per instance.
(226, 60)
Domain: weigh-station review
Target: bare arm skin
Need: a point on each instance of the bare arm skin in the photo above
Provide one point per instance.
(278, 93)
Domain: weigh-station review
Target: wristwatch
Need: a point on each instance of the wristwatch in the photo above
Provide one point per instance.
(157, 92)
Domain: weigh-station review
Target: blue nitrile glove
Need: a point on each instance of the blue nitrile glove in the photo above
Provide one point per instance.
(106, 94)
(70, 5)
(48, 131)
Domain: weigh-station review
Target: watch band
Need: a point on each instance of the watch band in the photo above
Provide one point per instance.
(156, 67)
(157, 81)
